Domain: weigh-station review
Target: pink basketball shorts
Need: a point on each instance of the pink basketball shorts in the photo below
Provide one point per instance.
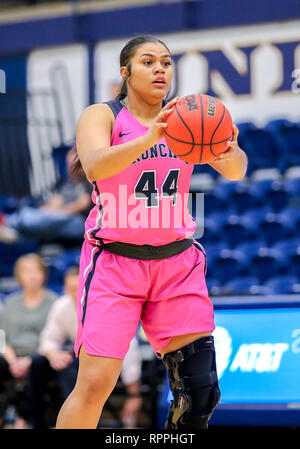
(169, 296)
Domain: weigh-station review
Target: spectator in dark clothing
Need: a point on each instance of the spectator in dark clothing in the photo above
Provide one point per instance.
(61, 217)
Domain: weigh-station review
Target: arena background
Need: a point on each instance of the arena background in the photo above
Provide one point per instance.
(58, 57)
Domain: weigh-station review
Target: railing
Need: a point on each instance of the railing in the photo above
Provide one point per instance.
(31, 126)
(10, 4)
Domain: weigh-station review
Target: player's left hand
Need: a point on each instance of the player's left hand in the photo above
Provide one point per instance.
(232, 148)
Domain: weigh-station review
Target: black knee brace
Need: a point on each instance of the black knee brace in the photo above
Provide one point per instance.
(194, 384)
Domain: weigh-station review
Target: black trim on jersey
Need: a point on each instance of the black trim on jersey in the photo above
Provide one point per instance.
(205, 258)
(100, 207)
(115, 106)
(88, 282)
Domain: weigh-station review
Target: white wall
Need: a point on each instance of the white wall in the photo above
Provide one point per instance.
(64, 69)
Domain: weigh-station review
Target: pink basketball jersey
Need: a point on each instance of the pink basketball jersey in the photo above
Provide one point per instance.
(147, 203)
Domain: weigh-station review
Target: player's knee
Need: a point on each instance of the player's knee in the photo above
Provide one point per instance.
(95, 387)
(194, 384)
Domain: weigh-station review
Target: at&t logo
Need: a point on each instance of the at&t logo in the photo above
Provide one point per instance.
(253, 357)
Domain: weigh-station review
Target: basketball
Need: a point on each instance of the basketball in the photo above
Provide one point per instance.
(198, 129)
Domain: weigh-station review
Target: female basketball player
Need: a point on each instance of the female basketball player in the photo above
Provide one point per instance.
(131, 270)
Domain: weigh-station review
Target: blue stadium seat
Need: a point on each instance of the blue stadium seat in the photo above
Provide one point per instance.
(281, 285)
(219, 216)
(261, 147)
(277, 198)
(55, 273)
(234, 231)
(244, 130)
(292, 187)
(277, 125)
(229, 264)
(288, 134)
(211, 203)
(58, 266)
(8, 204)
(207, 169)
(245, 127)
(294, 265)
(250, 247)
(290, 218)
(10, 253)
(258, 188)
(224, 190)
(211, 232)
(287, 247)
(242, 200)
(266, 263)
(213, 250)
(213, 225)
(241, 286)
(59, 155)
(269, 193)
(253, 218)
(213, 286)
(70, 257)
(235, 196)
(272, 229)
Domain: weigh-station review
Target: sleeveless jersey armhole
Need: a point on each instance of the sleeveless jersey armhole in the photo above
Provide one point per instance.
(116, 107)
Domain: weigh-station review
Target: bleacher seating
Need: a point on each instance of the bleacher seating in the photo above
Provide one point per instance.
(243, 285)
(228, 264)
(259, 217)
(286, 284)
(271, 229)
(295, 264)
(234, 231)
(262, 148)
(265, 264)
(287, 134)
(241, 199)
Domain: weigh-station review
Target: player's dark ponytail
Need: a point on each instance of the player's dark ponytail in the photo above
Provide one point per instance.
(128, 52)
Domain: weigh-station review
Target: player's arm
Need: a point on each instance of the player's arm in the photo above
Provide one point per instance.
(98, 158)
(233, 163)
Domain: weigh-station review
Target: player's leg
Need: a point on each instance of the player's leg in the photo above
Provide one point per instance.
(107, 321)
(97, 377)
(194, 383)
(181, 340)
(183, 317)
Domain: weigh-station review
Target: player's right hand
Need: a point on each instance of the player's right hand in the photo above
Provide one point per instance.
(157, 127)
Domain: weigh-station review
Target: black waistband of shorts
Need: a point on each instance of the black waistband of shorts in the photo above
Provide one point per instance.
(147, 252)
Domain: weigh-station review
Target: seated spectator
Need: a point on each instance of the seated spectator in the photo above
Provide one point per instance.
(56, 360)
(22, 318)
(131, 377)
(62, 216)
